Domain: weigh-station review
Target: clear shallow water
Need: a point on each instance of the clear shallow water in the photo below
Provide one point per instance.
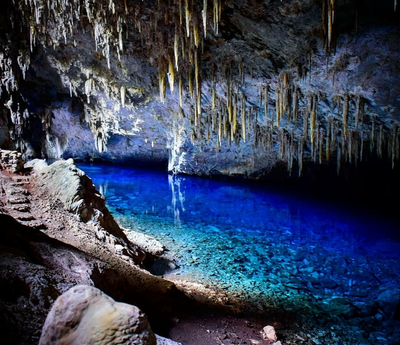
(269, 248)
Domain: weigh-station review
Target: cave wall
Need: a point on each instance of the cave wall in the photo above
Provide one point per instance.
(213, 87)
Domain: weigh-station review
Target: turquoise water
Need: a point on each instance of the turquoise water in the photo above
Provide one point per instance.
(269, 248)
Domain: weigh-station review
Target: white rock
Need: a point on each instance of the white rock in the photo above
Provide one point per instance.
(268, 333)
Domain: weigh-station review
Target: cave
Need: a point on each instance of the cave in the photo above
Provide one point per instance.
(299, 98)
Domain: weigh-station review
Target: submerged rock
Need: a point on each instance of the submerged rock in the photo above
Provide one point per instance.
(85, 315)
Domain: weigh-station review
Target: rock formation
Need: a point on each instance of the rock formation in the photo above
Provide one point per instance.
(213, 87)
(47, 247)
(85, 315)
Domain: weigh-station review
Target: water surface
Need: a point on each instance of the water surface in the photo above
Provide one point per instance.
(269, 247)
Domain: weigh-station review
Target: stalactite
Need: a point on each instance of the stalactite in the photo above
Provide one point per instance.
(338, 159)
(180, 92)
(243, 114)
(345, 115)
(300, 155)
(350, 147)
(190, 80)
(394, 143)
(171, 74)
(187, 17)
(277, 106)
(196, 34)
(266, 100)
(162, 85)
(372, 141)
(204, 13)
(328, 139)
(234, 120)
(123, 94)
(313, 118)
(359, 110)
(305, 126)
(380, 142)
(219, 128)
(176, 50)
(321, 143)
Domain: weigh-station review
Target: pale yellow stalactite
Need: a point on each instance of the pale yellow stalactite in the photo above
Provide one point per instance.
(196, 34)
(180, 13)
(176, 50)
(163, 86)
(229, 101)
(197, 72)
(345, 115)
(190, 83)
(234, 122)
(219, 128)
(171, 75)
(188, 17)
(214, 96)
(205, 17)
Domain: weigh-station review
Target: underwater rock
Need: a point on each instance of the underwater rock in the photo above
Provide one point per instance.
(388, 302)
(85, 315)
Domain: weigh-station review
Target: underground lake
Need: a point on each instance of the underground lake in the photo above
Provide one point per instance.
(318, 259)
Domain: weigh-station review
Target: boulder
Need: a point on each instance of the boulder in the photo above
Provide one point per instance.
(85, 315)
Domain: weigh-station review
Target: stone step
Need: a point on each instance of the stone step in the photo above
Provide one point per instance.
(22, 215)
(21, 207)
(18, 199)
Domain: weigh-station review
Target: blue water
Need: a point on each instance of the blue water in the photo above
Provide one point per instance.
(266, 247)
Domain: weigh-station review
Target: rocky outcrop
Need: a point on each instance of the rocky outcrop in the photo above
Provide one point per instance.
(34, 270)
(85, 315)
(49, 250)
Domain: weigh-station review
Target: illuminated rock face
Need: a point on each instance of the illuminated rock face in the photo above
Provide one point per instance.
(85, 315)
(217, 87)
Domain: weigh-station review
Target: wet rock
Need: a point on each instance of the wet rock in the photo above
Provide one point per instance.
(389, 302)
(85, 315)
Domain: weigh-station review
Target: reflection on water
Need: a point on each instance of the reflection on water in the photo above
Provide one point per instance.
(266, 246)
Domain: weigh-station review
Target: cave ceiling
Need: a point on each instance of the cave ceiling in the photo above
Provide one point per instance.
(212, 87)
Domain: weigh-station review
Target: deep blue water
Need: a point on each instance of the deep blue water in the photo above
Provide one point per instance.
(263, 244)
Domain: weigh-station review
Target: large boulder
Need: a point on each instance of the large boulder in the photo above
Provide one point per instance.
(85, 315)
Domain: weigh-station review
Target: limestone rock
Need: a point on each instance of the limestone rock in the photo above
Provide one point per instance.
(78, 194)
(85, 315)
(268, 333)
